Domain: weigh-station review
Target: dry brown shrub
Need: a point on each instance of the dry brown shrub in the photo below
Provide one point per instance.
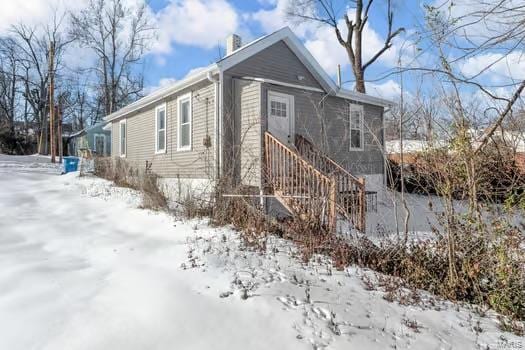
(144, 180)
(196, 207)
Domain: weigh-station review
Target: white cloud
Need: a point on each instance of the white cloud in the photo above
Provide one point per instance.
(163, 82)
(326, 49)
(321, 41)
(34, 12)
(201, 23)
(496, 67)
(195, 70)
(276, 18)
(389, 90)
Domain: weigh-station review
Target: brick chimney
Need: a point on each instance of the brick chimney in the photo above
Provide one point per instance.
(233, 42)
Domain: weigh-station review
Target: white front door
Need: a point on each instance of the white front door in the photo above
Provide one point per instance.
(281, 116)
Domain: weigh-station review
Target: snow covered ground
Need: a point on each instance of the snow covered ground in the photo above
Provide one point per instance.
(83, 268)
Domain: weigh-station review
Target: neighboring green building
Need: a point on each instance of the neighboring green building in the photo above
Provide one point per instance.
(94, 138)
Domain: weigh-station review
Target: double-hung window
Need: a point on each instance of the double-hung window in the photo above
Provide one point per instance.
(122, 136)
(184, 122)
(160, 129)
(356, 127)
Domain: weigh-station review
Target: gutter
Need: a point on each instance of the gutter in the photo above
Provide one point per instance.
(162, 93)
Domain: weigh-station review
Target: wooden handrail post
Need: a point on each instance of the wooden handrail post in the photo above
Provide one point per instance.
(332, 201)
(362, 205)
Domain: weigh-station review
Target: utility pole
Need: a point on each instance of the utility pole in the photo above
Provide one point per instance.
(52, 100)
(59, 118)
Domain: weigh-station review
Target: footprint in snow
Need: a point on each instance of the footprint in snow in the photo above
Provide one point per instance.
(322, 313)
(290, 302)
(225, 294)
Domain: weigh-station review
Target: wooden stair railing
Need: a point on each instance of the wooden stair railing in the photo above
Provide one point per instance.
(298, 185)
(350, 190)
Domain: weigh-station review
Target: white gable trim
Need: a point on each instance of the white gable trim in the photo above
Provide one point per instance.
(346, 94)
(281, 83)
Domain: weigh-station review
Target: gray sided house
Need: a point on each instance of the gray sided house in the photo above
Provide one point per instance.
(263, 104)
(95, 138)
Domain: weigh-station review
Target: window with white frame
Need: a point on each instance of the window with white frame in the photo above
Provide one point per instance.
(99, 144)
(122, 136)
(184, 122)
(356, 127)
(160, 129)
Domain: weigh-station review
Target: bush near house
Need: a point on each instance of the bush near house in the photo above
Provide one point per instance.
(499, 172)
(124, 175)
(484, 266)
(478, 262)
(15, 144)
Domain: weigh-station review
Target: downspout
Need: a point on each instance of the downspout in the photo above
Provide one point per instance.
(385, 156)
(218, 124)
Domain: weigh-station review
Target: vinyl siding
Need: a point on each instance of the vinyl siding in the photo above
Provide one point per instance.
(195, 163)
(276, 62)
(315, 117)
(250, 143)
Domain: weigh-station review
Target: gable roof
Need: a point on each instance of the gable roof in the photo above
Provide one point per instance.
(244, 52)
(87, 129)
(290, 39)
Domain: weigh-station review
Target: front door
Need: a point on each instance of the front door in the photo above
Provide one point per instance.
(281, 116)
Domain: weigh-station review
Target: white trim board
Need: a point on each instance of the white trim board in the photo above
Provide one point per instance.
(281, 83)
(122, 122)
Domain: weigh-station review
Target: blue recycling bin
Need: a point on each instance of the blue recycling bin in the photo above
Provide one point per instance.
(70, 164)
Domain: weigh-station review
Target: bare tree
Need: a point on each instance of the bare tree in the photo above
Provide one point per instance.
(118, 35)
(325, 12)
(486, 27)
(8, 84)
(32, 47)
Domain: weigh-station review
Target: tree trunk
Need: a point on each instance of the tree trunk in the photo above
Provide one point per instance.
(360, 82)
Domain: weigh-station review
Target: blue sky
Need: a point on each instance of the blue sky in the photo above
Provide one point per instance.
(256, 18)
(191, 32)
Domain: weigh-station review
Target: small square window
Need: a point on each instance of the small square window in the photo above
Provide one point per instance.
(278, 109)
